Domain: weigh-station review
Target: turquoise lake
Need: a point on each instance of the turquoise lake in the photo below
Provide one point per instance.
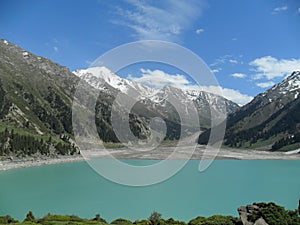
(74, 188)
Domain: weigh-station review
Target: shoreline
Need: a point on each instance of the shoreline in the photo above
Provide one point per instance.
(35, 162)
(160, 154)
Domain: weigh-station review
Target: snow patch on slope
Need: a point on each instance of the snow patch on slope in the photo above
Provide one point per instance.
(292, 83)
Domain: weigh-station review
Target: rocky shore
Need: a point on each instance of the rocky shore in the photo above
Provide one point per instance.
(184, 153)
(15, 163)
(157, 154)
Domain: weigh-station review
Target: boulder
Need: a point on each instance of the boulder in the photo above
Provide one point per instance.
(251, 215)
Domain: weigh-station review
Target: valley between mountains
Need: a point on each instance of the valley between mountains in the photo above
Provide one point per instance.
(36, 97)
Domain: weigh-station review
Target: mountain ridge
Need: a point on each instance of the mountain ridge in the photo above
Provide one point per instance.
(101, 77)
(270, 121)
(123, 85)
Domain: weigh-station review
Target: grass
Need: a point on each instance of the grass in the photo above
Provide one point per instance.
(263, 144)
(112, 145)
(290, 147)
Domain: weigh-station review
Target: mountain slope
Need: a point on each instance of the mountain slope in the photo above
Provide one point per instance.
(270, 121)
(36, 96)
(38, 90)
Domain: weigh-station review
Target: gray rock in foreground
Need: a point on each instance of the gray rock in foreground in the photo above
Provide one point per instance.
(251, 215)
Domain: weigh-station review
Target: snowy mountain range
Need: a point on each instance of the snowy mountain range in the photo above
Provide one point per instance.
(100, 77)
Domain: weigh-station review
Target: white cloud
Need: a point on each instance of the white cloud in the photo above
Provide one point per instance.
(55, 49)
(265, 84)
(233, 61)
(216, 70)
(231, 94)
(238, 75)
(298, 10)
(221, 60)
(225, 59)
(160, 21)
(269, 67)
(158, 79)
(199, 31)
(280, 9)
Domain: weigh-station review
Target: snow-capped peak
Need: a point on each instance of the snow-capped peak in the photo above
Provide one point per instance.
(192, 94)
(100, 72)
(290, 84)
(103, 74)
(293, 81)
(288, 87)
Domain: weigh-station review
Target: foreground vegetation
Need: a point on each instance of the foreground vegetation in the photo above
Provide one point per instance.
(270, 212)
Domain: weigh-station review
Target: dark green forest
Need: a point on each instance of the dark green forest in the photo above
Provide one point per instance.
(17, 144)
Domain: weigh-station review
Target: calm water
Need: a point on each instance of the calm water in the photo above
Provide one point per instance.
(75, 188)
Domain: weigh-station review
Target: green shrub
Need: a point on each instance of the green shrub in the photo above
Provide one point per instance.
(121, 221)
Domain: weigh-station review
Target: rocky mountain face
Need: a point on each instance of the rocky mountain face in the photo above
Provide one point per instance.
(37, 91)
(270, 121)
(35, 100)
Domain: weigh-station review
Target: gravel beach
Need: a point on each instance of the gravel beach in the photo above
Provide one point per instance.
(159, 154)
(32, 161)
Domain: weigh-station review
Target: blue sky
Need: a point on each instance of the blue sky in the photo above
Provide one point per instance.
(250, 45)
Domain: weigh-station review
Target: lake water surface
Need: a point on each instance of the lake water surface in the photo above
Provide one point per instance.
(74, 188)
